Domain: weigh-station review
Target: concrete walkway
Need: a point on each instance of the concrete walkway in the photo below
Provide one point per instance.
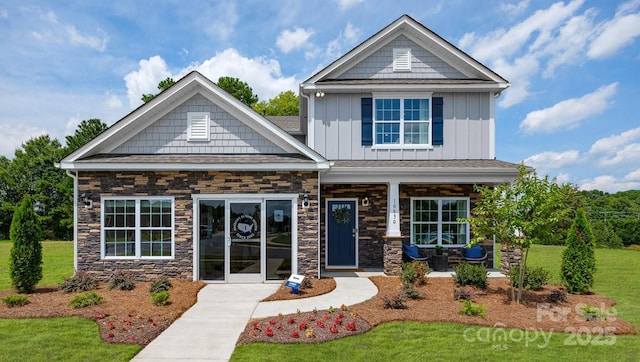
(208, 331)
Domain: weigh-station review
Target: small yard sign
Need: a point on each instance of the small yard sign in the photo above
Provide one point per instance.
(294, 282)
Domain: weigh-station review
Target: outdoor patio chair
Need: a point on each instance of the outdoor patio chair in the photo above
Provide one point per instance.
(412, 252)
(476, 254)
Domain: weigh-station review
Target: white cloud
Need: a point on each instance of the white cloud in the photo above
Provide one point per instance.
(346, 4)
(513, 10)
(611, 144)
(611, 184)
(569, 113)
(519, 73)
(562, 178)
(351, 33)
(95, 42)
(568, 47)
(618, 32)
(627, 154)
(633, 176)
(347, 37)
(289, 40)
(12, 137)
(218, 19)
(113, 101)
(552, 160)
(145, 80)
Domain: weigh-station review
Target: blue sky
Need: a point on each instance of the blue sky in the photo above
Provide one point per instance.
(574, 66)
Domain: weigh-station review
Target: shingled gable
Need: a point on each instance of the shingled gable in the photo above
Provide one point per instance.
(99, 153)
(476, 75)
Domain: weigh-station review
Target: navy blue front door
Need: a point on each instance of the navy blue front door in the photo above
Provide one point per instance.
(341, 234)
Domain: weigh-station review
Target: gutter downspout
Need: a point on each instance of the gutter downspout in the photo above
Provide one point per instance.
(318, 229)
(74, 176)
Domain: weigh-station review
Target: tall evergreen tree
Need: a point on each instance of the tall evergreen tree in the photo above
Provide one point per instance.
(26, 254)
(578, 259)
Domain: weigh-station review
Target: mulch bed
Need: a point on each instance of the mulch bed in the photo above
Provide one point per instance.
(318, 287)
(123, 316)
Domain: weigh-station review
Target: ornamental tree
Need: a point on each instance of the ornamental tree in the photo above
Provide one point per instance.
(578, 259)
(26, 254)
(523, 212)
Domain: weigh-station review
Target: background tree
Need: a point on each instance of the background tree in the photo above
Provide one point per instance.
(578, 259)
(26, 254)
(87, 130)
(520, 213)
(163, 85)
(238, 89)
(284, 104)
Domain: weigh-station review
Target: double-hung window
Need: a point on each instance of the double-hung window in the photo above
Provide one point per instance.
(138, 227)
(402, 121)
(434, 221)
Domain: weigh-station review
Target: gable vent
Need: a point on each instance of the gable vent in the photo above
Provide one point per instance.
(198, 123)
(402, 59)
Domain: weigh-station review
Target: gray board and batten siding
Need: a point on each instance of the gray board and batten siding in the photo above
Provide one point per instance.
(467, 129)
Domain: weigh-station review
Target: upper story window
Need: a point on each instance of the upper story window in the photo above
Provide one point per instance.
(402, 121)
(198, 126)
(402, 60)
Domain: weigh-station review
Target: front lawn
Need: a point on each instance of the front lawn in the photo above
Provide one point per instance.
(617, 277)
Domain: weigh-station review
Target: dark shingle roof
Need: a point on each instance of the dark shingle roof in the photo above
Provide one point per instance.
(291, 124)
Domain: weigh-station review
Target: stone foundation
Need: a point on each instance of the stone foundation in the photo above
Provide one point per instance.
(510, 256)
(393, 255)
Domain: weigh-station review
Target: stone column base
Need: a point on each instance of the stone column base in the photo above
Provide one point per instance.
(392, 255)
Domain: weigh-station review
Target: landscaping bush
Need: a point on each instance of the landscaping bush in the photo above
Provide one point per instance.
(394, 302)
(578, 259)
(85, 300)
(534, 277)
(471, 309)
(590, 313)
(557, 296)
(160, 298)
(25, 264)
(409, 291)
(468, 274)
(15, 300)
(463, 293)
(414, 273)
(121, 280)
(79, 282)
(306, 284)
(162, 284)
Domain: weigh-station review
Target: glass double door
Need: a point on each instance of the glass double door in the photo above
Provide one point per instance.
(245, 241)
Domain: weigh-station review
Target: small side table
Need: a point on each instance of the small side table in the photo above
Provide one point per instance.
(440, 262)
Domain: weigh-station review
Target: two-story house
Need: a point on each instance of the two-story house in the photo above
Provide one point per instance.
(391, 139)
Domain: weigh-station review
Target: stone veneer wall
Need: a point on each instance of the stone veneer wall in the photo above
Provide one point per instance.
(371, 220)
(182, 185)
(408, 191)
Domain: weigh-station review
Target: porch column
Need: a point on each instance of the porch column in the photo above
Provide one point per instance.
(393, 237)
(393, 210)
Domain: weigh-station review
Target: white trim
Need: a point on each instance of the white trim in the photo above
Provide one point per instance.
(139, 166)
(393, 209)
(418, 175)
(440, 223)
(326, 233)
(492, 126)
(137, 228)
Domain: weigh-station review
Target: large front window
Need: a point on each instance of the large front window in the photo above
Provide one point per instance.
(434, 221)
(137, 227)
(402, 121)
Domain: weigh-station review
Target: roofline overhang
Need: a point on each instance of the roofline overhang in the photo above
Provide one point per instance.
(346, 88)
(182, 166)
(424, 175)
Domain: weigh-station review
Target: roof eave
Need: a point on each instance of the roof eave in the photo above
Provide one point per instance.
(182, 166)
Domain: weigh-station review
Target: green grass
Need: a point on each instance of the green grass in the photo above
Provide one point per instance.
(58, 339)
(617, 277)
(57, 262)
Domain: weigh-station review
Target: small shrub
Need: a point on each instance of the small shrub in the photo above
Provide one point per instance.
(85, 300)
(590, 313)
(160, 298)
(409, 291)
(578, 258)
(15, 300)
(79, 282)
(25, 261)
(463, 293)
(394, 302)
(160, 285)
(414, 273)
(306, 284)
(471, 309)
(468, 274)
(557, 296)
(121, 280)
(534, 277)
